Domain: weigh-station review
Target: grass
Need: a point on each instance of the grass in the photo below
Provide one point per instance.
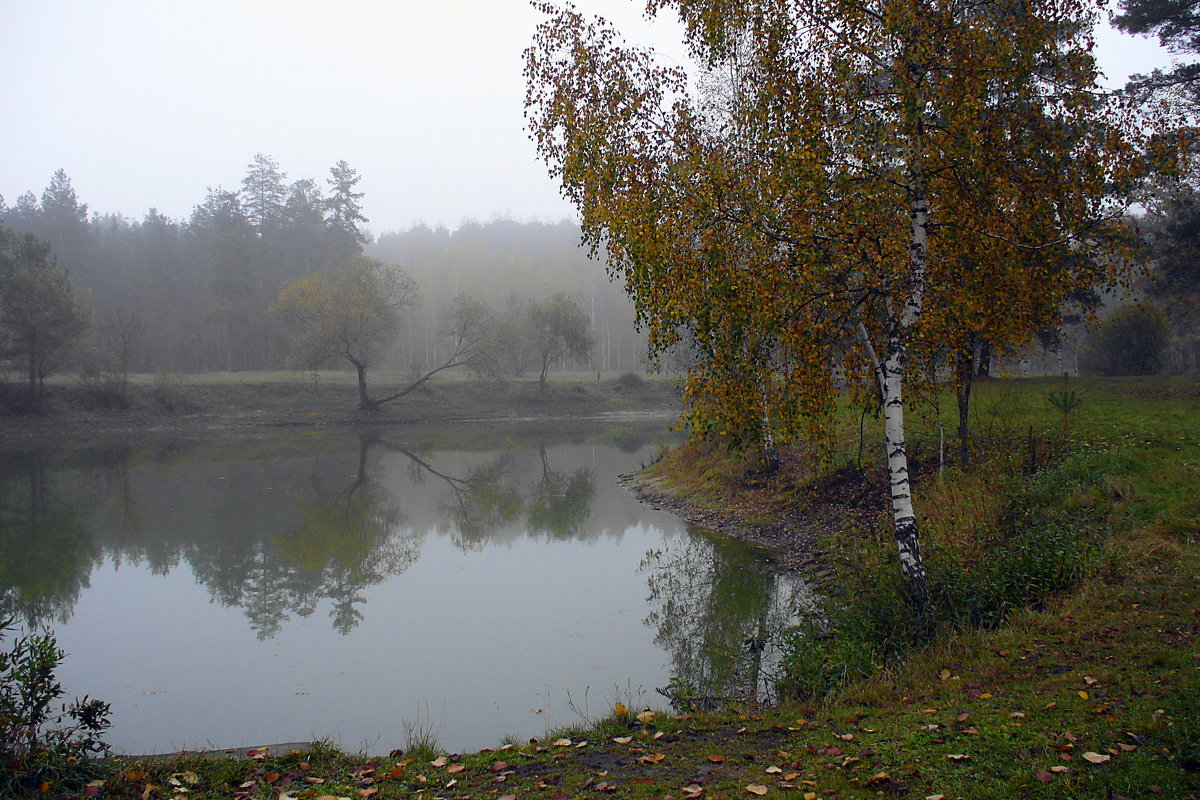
(1092, 691)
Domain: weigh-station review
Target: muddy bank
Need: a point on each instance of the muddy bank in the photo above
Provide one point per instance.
(791, 535)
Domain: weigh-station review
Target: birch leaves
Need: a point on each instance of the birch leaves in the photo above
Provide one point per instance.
(874, 181)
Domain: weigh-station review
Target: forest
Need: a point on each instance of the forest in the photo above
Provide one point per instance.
(195, 295)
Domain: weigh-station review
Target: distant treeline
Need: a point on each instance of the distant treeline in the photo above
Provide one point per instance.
(195, 294)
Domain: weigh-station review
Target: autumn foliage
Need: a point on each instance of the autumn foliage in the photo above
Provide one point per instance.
(859, 189)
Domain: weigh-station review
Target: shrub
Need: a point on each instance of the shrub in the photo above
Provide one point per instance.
(1049, 537)
(630, 382)
(41, 748)
(1130, 342)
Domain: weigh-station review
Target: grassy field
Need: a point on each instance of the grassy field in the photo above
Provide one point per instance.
(1090, 689)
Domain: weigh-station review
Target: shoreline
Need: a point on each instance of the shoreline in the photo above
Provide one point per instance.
(791, 539)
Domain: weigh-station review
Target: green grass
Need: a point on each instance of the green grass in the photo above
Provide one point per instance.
(1105, 662)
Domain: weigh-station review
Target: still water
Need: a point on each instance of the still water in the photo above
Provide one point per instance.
(482, 581)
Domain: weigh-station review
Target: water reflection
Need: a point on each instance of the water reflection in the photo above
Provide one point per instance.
(302, 563)
(274, 532)
(722, 615)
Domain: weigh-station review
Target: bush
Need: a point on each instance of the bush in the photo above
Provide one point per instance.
(1130, 342)
(40, 748)
(630, 382)
(1049, 538)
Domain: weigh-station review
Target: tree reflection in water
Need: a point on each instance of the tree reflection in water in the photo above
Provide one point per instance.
(253, 534)
(722, 614)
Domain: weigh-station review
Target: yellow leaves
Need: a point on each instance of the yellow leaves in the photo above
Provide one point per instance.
(1096, 758)
(756, 789)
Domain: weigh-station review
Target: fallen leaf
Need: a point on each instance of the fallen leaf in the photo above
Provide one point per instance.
(958, 756)
(1089, 680)
(1060, 769)
(507, 797)
(561, 743)
(756, 788)
(1043, 776)
(368, 792)
(716, 759)
(810, 796)
(652, 759)
(451, 783)
(623, 739)
(1128, 748)
(499, 766)
(1082, 694)
(1017, 715)
(773, 770)
(1096, 758)
(620, 710)
(454, 769)
(581, 744)
(397, 772)
(93, 789)
(944, 674)
(645, 717)
(440, 761)
(693, 790)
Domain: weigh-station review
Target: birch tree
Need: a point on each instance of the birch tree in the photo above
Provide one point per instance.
(882, 174)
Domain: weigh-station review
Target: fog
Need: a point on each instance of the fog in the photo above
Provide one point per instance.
(148, 104)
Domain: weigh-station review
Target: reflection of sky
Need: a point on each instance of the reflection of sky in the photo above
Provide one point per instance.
(483, 638)
(476, 637)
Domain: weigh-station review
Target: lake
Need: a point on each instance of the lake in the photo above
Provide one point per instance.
(480, 580)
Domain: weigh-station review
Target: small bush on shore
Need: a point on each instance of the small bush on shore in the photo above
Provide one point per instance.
(42, 749)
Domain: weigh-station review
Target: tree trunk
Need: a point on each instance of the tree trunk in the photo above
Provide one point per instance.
(891, 381)
(964, 374)
(985, 359)
(365, 403)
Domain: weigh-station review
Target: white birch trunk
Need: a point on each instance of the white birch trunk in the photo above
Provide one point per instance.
(890, 374)
(891, 379)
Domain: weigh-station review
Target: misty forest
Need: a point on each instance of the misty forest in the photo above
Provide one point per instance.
(845, 444)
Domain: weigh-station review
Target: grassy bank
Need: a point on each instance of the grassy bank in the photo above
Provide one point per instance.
(1067, 661)
(241, 399)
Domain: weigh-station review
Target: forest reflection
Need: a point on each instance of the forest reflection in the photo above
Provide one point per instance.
(722, 615)
(278, 528)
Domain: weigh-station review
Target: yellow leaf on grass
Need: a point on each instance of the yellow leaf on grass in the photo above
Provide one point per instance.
(1096, 758)
(645, 717)
(561, 743)
(944, 674)
(1082, 694)
(756, 788)
(623, 739)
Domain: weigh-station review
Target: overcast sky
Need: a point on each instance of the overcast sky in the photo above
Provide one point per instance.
(149, 102)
